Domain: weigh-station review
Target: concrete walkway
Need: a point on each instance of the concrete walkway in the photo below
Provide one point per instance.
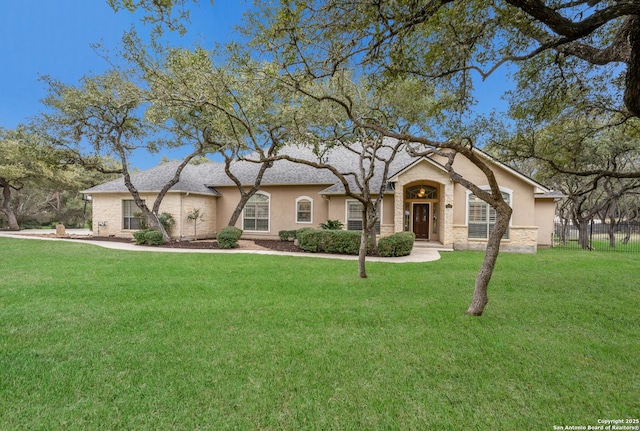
(419, 254)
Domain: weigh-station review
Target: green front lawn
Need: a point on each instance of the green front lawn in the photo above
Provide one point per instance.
(96, 339)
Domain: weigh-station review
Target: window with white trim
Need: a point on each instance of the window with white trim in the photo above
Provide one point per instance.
(256, 213)
(304, 210)
(482, 217)
(131, 215)
(354, 216)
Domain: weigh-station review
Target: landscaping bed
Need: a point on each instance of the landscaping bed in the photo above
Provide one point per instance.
(207, 244)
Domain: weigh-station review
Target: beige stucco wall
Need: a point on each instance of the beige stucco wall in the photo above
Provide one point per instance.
(108, 216)
(522, 193)
(531, 222)
(282, 208)
(338, 211)
(545, 210)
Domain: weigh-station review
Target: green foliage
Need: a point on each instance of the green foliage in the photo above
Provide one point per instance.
(287, 235)
(228, 237)
(161, 15)
(148, 236)
(141, 236)
(308, 239)
(167, 221)
(332, 225)
(194, 216)
(143, 223)
(154, 237)
(26, 162)
(27, 224)
(329, 241)
(398, 244)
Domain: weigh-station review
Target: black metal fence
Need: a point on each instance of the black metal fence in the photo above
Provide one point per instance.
(619, 237)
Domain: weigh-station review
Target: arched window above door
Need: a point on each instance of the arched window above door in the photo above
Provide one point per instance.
(421, 191)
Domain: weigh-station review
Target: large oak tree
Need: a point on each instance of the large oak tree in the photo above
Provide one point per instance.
(105, 115)
(387, 42)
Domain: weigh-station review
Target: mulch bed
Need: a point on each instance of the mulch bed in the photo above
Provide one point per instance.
(275, 245)
(207, 244)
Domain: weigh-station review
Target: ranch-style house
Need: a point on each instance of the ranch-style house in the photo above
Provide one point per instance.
(419, 197)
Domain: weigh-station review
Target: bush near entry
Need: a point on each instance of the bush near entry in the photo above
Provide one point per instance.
(398, 244)
(228, 237)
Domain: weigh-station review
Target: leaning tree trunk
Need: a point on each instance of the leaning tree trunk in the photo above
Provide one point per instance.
(152, 217)
(154, 223)
(480, 297)
(244, 198)
(6, 207)
(11, 219)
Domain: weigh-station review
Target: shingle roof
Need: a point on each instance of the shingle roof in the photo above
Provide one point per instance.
(203, 178)
(153, 180)
(282, 172)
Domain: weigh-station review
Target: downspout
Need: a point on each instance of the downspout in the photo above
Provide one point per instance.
(182, 215)
(326, 198)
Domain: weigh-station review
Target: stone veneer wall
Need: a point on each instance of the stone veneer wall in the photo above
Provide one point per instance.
(427, 172)
(109, 206)
(205, 228)
(522, 239)
(386, 229)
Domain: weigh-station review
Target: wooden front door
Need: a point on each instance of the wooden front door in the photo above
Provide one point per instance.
(421, 220)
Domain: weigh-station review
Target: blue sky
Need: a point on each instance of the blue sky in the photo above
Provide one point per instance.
(54, 37)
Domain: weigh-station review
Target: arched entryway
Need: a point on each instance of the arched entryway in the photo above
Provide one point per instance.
(422, 209)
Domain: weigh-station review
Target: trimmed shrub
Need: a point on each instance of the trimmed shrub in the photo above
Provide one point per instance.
(154, 237)
(342, 241)
(228, 237)
(308, 239)
(141, 236)
(148, 236)
(398, 244)
(329, 241)
(287, 235)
